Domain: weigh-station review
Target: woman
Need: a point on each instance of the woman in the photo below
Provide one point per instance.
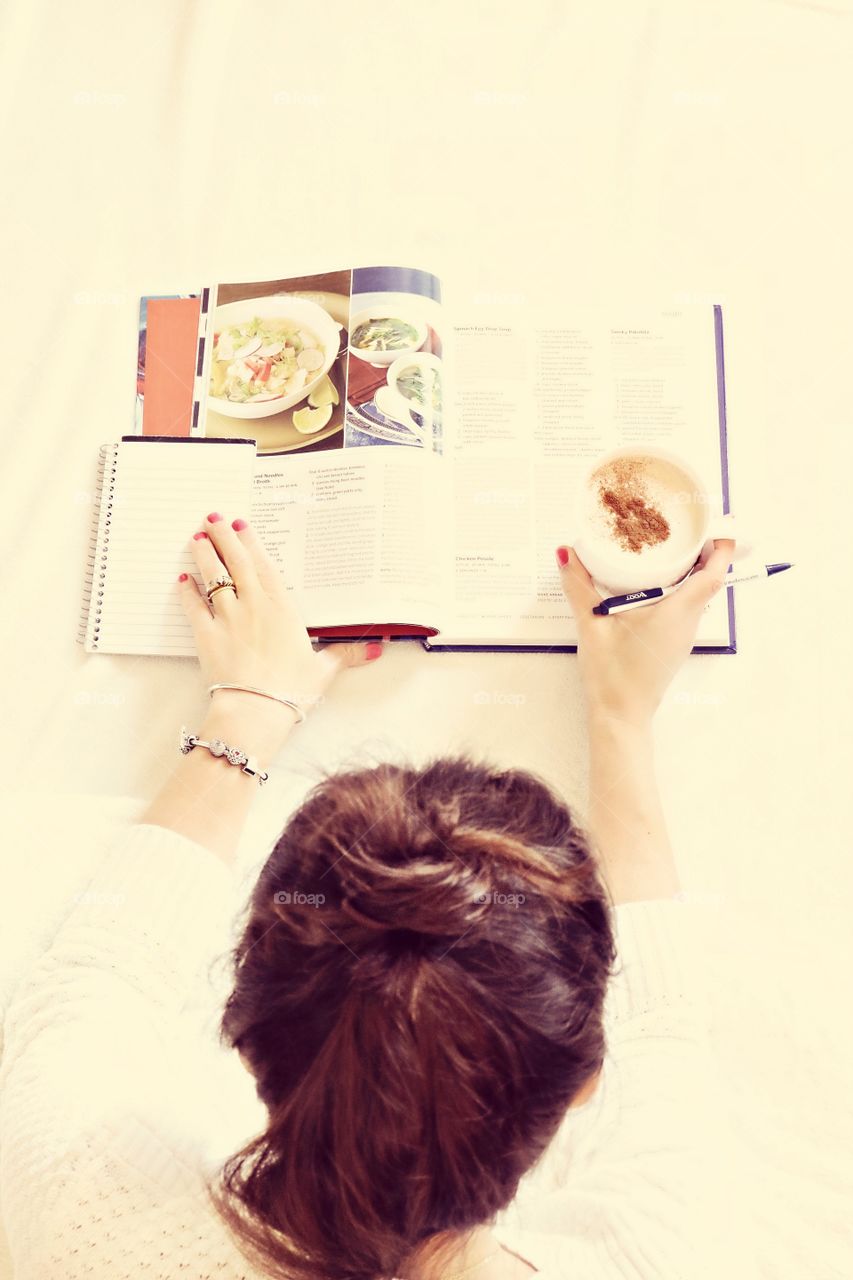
(419, 993)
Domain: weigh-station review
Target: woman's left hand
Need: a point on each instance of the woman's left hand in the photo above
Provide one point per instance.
(256, 637)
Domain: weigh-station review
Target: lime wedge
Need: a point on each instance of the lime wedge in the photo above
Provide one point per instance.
(324, 393)
(308, 420)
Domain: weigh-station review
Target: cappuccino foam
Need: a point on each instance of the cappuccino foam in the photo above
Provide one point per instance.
(644, 509)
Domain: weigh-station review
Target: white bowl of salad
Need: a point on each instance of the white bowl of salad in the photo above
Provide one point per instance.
(382, 333)
(268, 354)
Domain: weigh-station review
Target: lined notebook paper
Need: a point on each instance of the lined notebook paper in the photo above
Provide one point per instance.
(153, 493)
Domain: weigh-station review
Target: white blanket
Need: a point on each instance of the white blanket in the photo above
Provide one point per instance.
(672, 150)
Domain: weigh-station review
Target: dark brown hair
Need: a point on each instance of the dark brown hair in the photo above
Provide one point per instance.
(419, 993)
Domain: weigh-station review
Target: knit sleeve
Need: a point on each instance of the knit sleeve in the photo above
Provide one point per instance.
(94, 1015)
(659, 972)
(634, 1185)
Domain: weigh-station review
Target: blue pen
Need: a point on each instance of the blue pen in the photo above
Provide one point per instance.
(636, 599)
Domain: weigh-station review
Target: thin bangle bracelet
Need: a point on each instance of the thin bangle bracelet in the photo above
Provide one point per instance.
(245, 688)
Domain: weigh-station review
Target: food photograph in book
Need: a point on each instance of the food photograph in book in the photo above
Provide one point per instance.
(395, 386)
(277, 364)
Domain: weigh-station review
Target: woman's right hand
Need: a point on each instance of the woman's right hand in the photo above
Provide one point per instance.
(627, 660)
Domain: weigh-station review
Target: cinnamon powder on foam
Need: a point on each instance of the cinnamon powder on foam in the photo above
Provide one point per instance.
(635, 522)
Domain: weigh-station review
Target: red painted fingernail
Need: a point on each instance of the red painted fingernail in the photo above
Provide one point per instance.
(213, 517)
(239, 524)
(182, 577)
(196, 536)
(562, 556)
(373, 650)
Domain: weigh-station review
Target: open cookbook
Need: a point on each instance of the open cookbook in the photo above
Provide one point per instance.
(409, 466)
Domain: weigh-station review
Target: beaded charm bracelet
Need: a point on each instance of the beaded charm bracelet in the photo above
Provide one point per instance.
(217, 747)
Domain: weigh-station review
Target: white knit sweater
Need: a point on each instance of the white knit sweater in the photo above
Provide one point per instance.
(115, 1103)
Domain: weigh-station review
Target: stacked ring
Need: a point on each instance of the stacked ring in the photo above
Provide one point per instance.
(222, 582)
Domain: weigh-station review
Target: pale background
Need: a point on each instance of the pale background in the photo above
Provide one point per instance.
(527, 153)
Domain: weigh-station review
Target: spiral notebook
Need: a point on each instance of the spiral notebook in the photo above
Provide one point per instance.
(149, 492)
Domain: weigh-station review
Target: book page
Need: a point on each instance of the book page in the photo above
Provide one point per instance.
(322, 362)
(338, 378)
(535, 399)
(347, 531)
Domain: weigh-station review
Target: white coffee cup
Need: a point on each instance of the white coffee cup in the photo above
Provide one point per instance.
(616, 570)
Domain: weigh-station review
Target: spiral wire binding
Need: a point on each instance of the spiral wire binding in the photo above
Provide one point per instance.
(99, 539)
(206, 303)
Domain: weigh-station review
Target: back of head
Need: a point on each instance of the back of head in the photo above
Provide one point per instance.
(419, 993)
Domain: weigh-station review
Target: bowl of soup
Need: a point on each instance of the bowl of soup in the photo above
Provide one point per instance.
(416, 378)
(268, 354)
(380, 334)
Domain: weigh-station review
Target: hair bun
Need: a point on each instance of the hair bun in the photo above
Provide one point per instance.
(407, 860)
(439, 899)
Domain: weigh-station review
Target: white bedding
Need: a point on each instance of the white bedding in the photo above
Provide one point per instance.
(672, 150)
